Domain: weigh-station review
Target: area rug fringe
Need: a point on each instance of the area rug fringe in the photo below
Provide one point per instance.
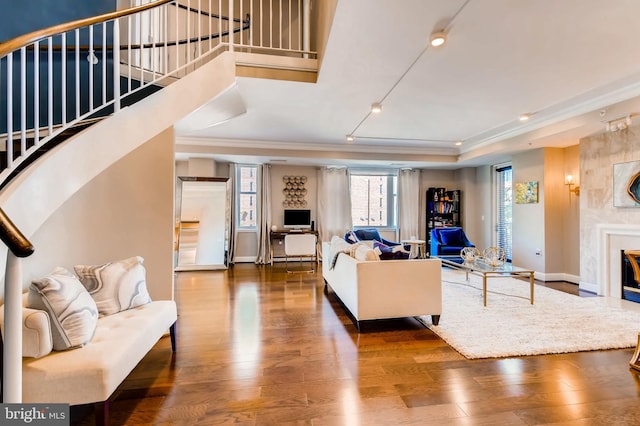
(510, 326)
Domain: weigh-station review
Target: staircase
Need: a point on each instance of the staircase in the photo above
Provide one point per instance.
(80, 100)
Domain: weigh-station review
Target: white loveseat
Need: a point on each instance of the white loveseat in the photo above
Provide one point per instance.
(91, 373)
(84, 333)
(382, 289)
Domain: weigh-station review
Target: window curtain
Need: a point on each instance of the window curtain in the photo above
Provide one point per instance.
(232, 231)
(264, 215)
(409, 206)
(334, 203)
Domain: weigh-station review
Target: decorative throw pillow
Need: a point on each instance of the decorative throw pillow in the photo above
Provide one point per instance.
(451, 237)
(350, 237)
(386, 252)
(364, 252)
(116, 286)
(339, 245)
(368, 234)
(72, 312)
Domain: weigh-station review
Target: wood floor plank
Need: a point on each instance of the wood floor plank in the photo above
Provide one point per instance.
(257, 346)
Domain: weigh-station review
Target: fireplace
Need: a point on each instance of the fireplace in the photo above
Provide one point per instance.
(611, 239)
(630, 288)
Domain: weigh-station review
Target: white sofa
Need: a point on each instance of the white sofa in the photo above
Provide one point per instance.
(91, 373)
(382, 289)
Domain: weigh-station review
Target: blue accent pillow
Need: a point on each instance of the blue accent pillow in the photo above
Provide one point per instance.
(451, 237)
(368, 234)
(386, 252)
(351, 238)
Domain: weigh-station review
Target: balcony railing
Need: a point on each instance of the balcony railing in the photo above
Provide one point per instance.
(53, 79)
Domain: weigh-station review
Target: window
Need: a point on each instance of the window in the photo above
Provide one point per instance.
(373, 200)
(503, 179)
(247, 193)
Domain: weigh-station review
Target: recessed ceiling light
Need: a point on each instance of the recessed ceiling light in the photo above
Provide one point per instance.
(349, 138)
(458, 143)
(524, 117)
(376, 107)
(438, 38)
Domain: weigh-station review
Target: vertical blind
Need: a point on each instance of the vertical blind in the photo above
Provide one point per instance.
(504, 208)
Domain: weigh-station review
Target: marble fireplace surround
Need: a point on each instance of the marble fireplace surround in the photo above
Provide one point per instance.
(611, 239)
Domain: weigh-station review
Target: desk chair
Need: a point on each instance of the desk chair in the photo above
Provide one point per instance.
(300, 246)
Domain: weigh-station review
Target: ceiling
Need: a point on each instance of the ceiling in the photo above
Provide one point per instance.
(571, 64)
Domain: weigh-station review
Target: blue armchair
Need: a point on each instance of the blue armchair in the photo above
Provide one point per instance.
(389, 249)
(448, 241)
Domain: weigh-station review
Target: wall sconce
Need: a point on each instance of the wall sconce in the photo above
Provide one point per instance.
(617, 124)
(570, 184)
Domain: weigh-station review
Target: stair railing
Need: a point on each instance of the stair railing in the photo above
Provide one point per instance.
(52, 79)
(11, 344)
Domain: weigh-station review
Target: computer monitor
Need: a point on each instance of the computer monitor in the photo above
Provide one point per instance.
(297, 219)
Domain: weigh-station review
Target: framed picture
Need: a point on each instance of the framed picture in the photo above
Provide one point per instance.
(626, 184)
(527, 192)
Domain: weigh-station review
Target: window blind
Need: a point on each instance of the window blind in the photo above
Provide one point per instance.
(504, 208)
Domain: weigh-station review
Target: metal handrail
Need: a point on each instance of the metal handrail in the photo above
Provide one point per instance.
(13, 238)
(55, 88)
(32, 37)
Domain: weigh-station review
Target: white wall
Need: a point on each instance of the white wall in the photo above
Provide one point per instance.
(571, 226)
(598, 154)
(277, 185)
(127, 210)
(528, 219)
(482, 224)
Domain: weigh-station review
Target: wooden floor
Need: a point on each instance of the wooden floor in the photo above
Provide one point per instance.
(259, 347)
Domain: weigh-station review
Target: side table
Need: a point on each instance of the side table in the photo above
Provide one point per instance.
(420, 247)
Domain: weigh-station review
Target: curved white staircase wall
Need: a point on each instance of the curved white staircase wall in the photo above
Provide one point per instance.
(45, 187)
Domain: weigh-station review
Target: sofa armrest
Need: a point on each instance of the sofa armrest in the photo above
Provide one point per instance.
(36, 332)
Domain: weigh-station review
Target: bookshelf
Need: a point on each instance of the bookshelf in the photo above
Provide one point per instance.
(443, 208)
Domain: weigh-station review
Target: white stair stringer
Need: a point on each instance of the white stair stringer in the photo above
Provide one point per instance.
(36, 193)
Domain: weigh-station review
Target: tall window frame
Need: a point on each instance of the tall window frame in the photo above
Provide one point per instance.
(247, 197)
(374, 199)
(503, 187)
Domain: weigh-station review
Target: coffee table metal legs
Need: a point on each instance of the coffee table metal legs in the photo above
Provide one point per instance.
(484, 286)
(531, 279)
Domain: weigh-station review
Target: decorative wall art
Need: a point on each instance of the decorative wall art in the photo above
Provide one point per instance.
(294, 192)
(626, 184)
(527, 192)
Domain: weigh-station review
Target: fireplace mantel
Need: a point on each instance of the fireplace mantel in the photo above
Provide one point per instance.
(613, 237)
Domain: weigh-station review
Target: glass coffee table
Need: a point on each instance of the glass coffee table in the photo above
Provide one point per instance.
(484, 270)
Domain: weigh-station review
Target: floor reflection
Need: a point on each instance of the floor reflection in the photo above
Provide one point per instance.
(246, 332)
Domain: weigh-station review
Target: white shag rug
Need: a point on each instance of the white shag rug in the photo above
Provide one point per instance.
(509, 325)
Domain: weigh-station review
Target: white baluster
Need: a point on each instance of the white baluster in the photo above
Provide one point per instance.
(12, 351)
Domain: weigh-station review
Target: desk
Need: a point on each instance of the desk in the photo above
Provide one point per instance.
(419, 245)
(277, 242)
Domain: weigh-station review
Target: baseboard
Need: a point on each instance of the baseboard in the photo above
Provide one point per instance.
(244, 259)
(593, 288)
(558, 276)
